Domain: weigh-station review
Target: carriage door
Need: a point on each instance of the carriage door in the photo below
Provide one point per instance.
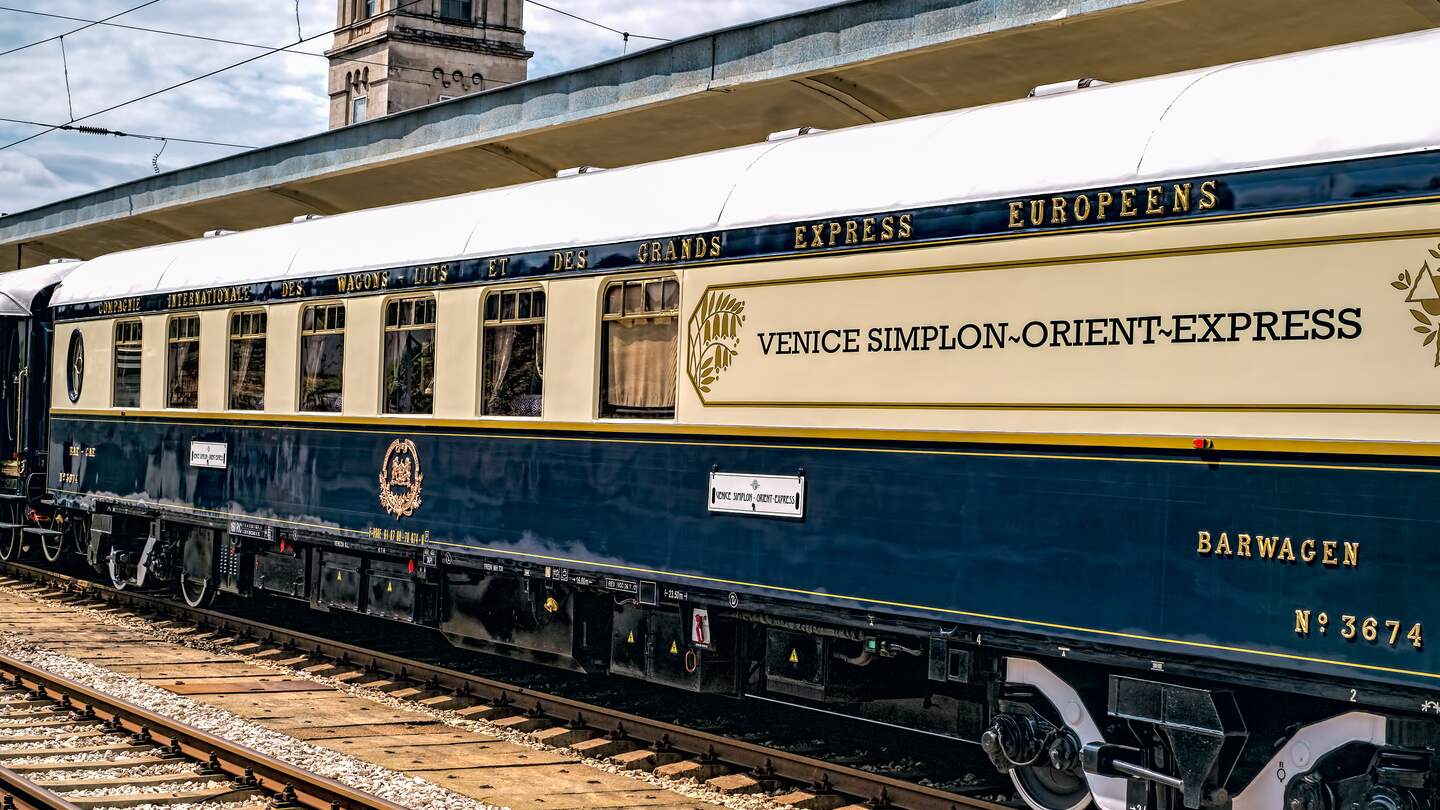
(12, 394)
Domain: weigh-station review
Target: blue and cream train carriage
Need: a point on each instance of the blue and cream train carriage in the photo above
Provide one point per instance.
(1100, 424)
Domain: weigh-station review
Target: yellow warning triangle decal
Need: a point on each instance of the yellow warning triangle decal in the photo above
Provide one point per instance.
(630, 639)
(674, 650)
(389, 587)
(794, 658)
(338, 577)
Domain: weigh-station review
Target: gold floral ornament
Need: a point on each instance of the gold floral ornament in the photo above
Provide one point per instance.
(1423, 290)
(714, 337)
(400, 479)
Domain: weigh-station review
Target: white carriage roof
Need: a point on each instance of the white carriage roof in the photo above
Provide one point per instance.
(19, 287)
(1365, 99)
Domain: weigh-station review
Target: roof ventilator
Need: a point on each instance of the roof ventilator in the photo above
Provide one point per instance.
(574, 170)
(1064, 87)
(307, 217)
(62, 261)
(787, 134)
(218, 232)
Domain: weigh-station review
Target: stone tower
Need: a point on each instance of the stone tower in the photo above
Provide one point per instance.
(392, 55)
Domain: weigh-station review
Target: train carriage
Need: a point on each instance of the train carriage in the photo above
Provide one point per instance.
(1090, 424)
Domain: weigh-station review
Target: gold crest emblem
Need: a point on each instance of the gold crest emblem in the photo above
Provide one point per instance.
(714, 338)
(1422, 290)
(400, 479)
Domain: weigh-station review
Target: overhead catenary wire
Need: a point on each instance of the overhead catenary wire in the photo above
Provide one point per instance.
(626, 34)
(188, 81)
(223, 41)
(88, 24)
(91, 130)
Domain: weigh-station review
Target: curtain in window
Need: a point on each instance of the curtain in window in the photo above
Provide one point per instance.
(640, 371)
(247, 374)
(322, 359)
(183, 374)
(410, 371)
(512, 370)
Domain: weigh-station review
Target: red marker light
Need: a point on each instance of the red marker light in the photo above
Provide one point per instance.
(411, 566)
(1203, 444)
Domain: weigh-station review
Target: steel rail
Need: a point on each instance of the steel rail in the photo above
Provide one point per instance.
(880, 790)
(245, 765)
(20, 793)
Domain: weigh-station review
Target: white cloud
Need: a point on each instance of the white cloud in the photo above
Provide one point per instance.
(274, 99)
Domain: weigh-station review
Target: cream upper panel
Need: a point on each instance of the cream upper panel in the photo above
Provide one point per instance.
(1368, 378)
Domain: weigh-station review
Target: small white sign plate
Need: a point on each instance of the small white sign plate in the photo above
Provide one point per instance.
(770, 495)
(209, 454)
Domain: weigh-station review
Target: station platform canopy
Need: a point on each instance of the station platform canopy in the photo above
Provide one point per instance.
(841, 65)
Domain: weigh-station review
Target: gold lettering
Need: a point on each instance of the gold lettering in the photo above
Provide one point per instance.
(1267, 546)
(852, 231)
(1242, 547)
(1302, 622)
(1154, 200)
(799, 238)
(579, 265)
(1327, 555)
(867, 231)
(1307, 551)
(684, 248)
(1222, 547)
(715, 245)
(1082, 208)
(887, 229)
(1203, 546)
(1182, 198)
(904, 226)
(1017, 212)
(1127, 203)
(1287, 552)
(670, 255)
(1352, 554)
(1037, 212)
(643, 254)
(817, 232)
(834, 232)
(1102, 201)
(1057, 211)
(1207, 195)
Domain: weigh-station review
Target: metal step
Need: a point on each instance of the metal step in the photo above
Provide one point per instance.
(11, 496)
(36, 530)
(8, 526)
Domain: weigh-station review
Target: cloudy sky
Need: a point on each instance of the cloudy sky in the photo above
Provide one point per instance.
(273, 99)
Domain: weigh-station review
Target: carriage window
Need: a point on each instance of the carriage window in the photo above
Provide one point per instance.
(514, 353)
(247, 361)
(322, 358)
(182, 362)
(126, 393)
(637, 373)
(410, 355)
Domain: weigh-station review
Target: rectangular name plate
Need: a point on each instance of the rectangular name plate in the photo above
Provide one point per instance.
(208, 454)
(770, 495)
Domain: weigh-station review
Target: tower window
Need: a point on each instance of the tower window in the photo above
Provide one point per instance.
(457, 9)
(372, 7)
(358, 107)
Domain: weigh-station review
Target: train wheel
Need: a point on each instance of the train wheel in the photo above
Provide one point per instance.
(53, 547)
(10, 544)
(197, 593)
(1046, 788)
(122, 568)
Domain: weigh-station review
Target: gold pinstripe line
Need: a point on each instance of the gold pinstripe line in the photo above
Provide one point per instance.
(484, 434)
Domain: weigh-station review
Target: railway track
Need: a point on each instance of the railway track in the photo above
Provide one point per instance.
(597, 731)
(73, 747)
